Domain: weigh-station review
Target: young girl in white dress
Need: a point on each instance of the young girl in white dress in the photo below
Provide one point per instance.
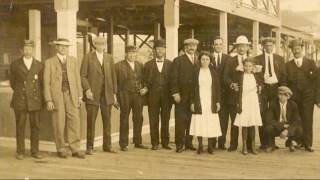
(205, 104)
(248, 115)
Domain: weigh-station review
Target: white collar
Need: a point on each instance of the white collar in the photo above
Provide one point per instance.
(298, 59)
(217, 53)
(162, 59)
(99, 53)
(27, 59)
(190, 56)
(61, 57)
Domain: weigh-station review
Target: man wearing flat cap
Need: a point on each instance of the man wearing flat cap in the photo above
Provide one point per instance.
(27, 99)
(274, 73)
(301, 76)
(182, 83)
(63, 96)
(230, 78)
(99, 85)
(157, 77)
(283, 119)
(131, 90)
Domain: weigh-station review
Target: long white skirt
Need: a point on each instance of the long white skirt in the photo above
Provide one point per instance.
(205, 125)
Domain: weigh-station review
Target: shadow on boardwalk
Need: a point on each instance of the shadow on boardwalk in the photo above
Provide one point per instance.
(167, 164)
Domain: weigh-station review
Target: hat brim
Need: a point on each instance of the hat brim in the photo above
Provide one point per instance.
(248, 43)
(61, 43)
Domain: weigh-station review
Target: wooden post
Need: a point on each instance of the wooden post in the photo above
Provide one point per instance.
(157, 31)
(171, 22)
(255, 37)
(278, 40)
(224, 30)
(35, 31)
(110, 36)
(127, 40)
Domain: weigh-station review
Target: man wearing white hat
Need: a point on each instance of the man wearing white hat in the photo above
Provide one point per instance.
(99, 84)
(230, 76)
(63, 96)
(183, 69)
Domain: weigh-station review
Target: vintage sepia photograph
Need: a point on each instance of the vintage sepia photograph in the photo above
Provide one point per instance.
(159, 89)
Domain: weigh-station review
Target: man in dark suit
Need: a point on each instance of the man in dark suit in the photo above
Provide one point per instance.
(219, 61)
(183, 69)
(27, 99)
(99, 84)
(156, 78)
(274, 73)
(283, 119)
(301, 76)
(130, 91)
(230, 74)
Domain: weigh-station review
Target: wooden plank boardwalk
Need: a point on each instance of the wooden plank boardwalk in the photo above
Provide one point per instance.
(141, 164)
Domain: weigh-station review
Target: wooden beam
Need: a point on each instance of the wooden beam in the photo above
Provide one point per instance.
(144, 42)
(121, 37)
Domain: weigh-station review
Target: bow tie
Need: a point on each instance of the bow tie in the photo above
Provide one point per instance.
(159, 61)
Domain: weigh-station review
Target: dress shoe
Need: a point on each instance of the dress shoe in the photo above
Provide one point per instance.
(308, 148)
(62, 155)
(222, 147)
(166, 147)
(179, 150)
(262, 147)
(275, 147)
(269, 149)
(230, 149)
(36, 156)
(210, 150)
(20, 156)
(78, 155)
(89, 151)
(123, 148)
(291, 148)
(109, 150)
(155, 147)
(190, 147)
(140, 146)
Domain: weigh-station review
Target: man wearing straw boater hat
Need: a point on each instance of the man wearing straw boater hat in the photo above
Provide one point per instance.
(230, 76)
(274, 73)
(26, 82)
(183, 69)
(99, 84)
(63, 97)
(283, 119)
(157, 77)
(301, 76)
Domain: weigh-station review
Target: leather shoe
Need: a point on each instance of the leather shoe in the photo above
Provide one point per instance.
(62, 155)
(78, 155)
(155, 147)
(167, 147)
(37, 156)
(230, 149)
(140, 146)
(210, 150)
(269, 149)
(109, 150)
(89, 151)
(179, 150)
(123, 148)
(309, 149)
(190, 147)
(20, 156)
(222, 147)
(291, 148)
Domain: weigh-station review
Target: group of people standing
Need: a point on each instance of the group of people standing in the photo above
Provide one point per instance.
(206, 89)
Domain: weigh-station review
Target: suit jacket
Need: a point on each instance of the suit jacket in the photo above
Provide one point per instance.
(98, 78)
(220, 72)
(182, 77)
(292, 115)
(279, 67)
(53, 80)
(151, 80)
(26, 85)
(231, 75)
(215, 92)
(310, 70)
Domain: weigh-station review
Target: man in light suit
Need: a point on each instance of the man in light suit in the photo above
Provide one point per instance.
(63, 96)
(26, 82)
(274, 73)
(99, 84)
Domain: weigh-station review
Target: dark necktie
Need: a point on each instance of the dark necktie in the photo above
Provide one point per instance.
(219, 60)
(269, 66)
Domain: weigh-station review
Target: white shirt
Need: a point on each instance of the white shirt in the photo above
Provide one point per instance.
(159, 64)
(191, 57)
(131, 64)
(298, 61)
(28, 62)
(284, 108)
(62, 58)
(100, 57)
(216, 57)
(267, 78)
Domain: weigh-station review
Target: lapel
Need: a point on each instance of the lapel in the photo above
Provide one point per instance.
(165, 66)
(69, 66)
(22, 67)
(96, 62)
(105, 64)
(154, 66)
(57, 64)
(263, 62)
(288, 111)
(32, 69)
(278, 110)
(129, 67)
(214, 62)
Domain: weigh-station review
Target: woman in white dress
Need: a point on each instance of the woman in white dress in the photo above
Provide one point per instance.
(205, 104)
(248, 115)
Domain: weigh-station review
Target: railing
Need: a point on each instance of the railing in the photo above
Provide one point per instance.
(270, 7)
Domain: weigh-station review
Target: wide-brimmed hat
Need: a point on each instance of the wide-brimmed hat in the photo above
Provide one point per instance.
(99, 40)
(295, 42)
(284, 90)
(191, 41)
(28, 43)
(62, 41)
(242, 40)
(159, 43)
(267, 39)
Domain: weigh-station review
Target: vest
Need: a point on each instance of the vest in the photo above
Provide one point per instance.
(302, 81)
(65, 81)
